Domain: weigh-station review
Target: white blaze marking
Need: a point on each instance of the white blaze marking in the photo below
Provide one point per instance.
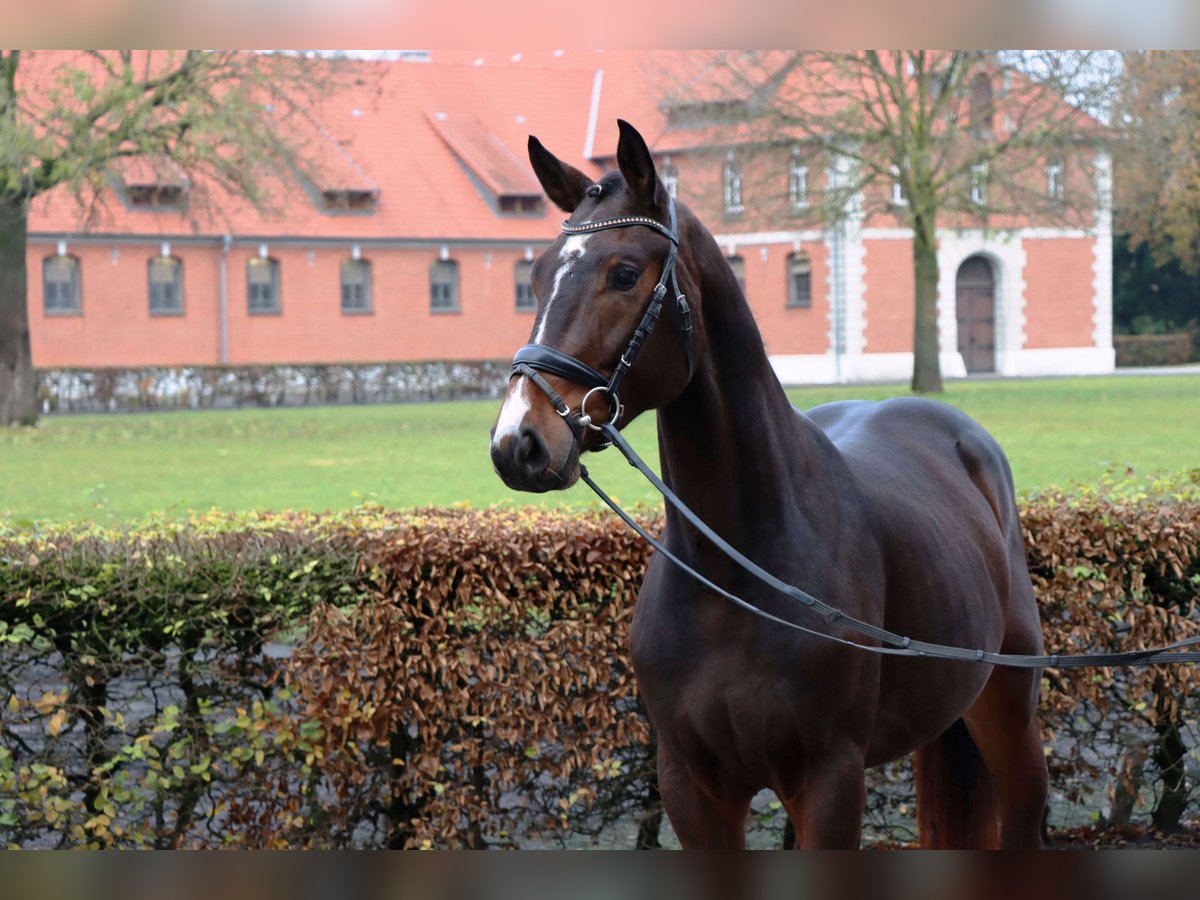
(516, 407)
(572, 250)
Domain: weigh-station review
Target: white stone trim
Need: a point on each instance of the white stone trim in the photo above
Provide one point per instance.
(822, 368)
(1062, 361)
(854, 259)
(886, 234)
(812, 368)
(756, 238)
(1046, 234)
(1007, 254)
(1102, 256)
(899, 234)
(589, 139)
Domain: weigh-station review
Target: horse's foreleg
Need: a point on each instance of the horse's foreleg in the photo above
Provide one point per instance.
(701, 821)
(826, 809)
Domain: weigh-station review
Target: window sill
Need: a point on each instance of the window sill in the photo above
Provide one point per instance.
(63, 312)
(265, 312)
(358, 312)
(168, 313)
(447, 311)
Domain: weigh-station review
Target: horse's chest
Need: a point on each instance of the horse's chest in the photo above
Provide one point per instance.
(745, 704)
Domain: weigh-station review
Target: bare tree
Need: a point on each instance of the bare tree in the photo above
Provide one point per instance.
(228, 122)
(933, 139)
(1158, 113)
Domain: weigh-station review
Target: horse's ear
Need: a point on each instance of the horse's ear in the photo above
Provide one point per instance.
(564, 184)
(637, 167)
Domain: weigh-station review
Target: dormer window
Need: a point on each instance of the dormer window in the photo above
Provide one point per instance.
(517, 205)
(151, 183)
(149, 195)
(333, 200)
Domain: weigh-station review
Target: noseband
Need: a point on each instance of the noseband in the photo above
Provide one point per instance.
(533, 359)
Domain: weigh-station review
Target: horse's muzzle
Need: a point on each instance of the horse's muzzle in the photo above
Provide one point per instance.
(524, 462)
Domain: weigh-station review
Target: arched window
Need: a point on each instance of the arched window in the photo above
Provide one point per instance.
(262, 285)
(799, 268)
(165, 274)
(526, 300)
(356, 286)
(60, 285)
(443, 286)
(733, 186)
(738, 265)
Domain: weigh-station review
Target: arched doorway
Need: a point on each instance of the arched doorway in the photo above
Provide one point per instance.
(975, 292)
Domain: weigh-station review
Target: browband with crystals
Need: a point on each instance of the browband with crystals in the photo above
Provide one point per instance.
(620, 222)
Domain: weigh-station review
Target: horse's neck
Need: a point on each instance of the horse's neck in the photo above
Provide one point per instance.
(732, 446)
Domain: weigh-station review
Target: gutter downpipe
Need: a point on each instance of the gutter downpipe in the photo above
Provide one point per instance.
(223, 315)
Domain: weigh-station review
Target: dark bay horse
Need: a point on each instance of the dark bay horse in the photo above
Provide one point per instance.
(900, 513)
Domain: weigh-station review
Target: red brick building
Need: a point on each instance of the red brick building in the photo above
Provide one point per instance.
(414, 244)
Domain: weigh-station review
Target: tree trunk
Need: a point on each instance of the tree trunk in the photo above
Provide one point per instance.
(18, 398)
(927, 373)
(1170, 755)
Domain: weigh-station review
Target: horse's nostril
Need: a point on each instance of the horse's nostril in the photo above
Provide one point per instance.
(530, 452)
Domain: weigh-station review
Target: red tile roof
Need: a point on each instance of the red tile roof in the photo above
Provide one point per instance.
(423, 136)
(485, 155)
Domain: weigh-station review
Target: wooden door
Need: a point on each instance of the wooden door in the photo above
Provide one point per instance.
(975, 290)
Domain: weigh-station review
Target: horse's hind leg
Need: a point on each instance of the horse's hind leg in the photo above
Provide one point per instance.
(826, 810)
(956, 801)
(701, 821)
(1004, 724)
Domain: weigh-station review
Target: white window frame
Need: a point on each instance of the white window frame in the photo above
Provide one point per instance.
(1054, 178)
(669, 176)
(898, 198)
(979, 174)
(797, 184)
(733, 186)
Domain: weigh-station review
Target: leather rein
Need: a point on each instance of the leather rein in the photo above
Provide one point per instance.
(532, 359)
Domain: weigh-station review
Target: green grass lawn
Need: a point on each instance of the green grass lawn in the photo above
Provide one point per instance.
(1056, 431)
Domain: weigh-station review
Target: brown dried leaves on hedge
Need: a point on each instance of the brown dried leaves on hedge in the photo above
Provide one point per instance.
(456, 678)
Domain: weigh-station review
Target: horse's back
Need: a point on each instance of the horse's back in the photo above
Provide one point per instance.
(924, 464)
(918, 447)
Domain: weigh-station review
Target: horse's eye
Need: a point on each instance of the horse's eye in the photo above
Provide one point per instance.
(623, 279)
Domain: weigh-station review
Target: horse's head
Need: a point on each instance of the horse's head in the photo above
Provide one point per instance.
(594, 286)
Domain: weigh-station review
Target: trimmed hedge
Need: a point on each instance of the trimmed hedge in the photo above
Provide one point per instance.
(460, 678)
(1153, 349)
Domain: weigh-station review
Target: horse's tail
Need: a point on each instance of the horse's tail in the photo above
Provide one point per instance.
(956, 804)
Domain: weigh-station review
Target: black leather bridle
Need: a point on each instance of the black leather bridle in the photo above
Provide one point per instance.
(533, 359)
